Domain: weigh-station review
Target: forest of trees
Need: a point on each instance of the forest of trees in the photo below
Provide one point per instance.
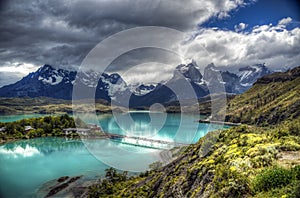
(44, 126)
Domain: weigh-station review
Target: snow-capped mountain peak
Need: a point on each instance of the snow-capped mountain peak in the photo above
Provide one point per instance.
(51, 76)
(190, 71)
(249, 74)
(142, 89)
(45, 68)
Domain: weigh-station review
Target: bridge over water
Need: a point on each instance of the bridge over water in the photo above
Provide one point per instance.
(154, 143)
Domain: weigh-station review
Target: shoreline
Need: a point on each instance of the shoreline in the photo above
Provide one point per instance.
(65, 186)
(74, 137)
(219, 122)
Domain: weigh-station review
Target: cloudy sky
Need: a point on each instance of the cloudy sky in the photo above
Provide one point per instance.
(61, 33)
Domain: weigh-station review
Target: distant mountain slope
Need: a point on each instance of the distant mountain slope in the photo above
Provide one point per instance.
(272, 99)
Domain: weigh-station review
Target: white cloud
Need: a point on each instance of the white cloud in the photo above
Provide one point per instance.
(285, 21)
(274, 45)
(270, 44)
(12, 72)
(148, 73)
(240, 27)
(22, 68)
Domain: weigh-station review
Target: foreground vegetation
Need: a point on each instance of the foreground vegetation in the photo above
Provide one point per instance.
(245, 161)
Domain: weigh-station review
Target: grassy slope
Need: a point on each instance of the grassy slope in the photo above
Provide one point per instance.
(266, 104)
(42, 105)
(234, 162)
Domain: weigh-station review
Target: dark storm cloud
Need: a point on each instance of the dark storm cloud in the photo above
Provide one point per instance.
(161, 13)
(32, 31)
(61, 32)
(143, 55)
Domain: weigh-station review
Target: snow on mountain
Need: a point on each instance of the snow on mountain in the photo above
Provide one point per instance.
(88, 78)
(142, 89)
(58, 83)
(214, 77)
(49, 75)
(114, 84)
(248, 75)
(190, 71)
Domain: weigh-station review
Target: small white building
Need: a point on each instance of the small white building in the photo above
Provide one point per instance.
(28, 128)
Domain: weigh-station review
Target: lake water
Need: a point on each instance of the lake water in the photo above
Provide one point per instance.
(25, 165)
(12, 118)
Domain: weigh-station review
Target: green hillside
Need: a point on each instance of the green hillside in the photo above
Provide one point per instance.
(272, 99)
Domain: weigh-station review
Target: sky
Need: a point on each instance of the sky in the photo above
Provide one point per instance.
(235, 33)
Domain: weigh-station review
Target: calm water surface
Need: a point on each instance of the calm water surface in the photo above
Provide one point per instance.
(25, 165)
(12, 118)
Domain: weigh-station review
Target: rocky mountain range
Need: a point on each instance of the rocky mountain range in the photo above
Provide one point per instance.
(58, 83)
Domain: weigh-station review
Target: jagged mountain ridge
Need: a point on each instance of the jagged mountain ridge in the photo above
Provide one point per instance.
(58, 83)
(230, 80)
(248, 75)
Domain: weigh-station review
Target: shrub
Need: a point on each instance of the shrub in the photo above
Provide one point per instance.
(294, 128)
(296, 172)
(281, 133)
(230, 183)
(296, 191)
(272, 178)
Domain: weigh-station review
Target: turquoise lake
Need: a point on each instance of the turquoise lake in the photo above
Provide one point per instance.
(12, 118)
(27, 164)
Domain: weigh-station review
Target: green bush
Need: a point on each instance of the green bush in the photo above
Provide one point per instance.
(296, 172)
(296, 190)
(272, 178)
(230, 183)
(294, 128)
(111, 184)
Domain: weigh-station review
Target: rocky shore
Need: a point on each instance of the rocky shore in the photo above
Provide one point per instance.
(66, 186)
